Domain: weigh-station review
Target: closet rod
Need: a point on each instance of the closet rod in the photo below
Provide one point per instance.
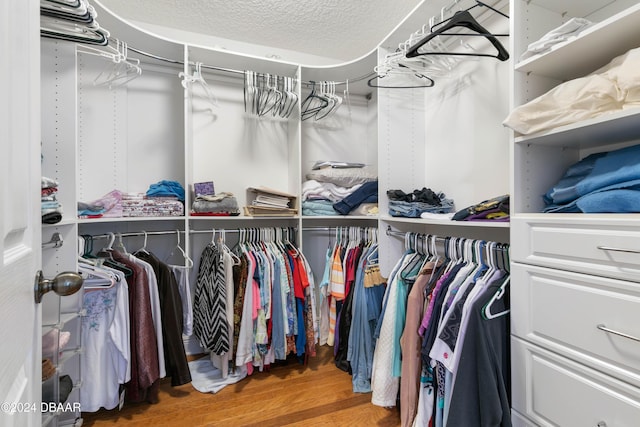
(167, 232)
(391, 232)
(330, 228)
(236, 230)
(133, 234)
(233, 230)
(230, 70)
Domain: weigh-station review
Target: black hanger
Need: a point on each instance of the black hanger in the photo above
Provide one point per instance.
(478, 3)
(466, 20)
(307, 110)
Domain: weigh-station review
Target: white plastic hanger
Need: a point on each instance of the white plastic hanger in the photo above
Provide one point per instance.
(188, 261)
(143, 249)
(197, 80)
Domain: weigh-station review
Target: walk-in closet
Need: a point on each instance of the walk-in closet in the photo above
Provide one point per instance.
(441, 231)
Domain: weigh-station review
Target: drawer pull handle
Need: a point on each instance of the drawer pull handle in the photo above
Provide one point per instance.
(602, 424)
(622, 334)
(609, 248)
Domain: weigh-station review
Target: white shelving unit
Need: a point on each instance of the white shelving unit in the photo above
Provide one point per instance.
(448, 138)
(566, 284)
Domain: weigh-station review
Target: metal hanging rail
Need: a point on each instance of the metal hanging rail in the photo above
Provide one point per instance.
(230, 70)
(403, 234)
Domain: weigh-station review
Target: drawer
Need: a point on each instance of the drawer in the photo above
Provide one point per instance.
(594, 244)
(562, 310)
(553, 391)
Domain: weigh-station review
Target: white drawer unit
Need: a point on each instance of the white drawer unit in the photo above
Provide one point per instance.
(593, 244)
(554, 391)
(593, 320)
(575, 277)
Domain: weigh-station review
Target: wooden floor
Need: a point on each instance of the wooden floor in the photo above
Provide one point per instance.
(318, 394)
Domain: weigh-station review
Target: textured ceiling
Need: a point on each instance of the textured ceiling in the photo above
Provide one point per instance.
(344, 30)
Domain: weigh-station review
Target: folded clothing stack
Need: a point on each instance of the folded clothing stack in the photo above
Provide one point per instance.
(139, 205)
(221, 204)
(495, 209)
(612, 88)
(108, 206)
(413, 205)
(606, 182)
(339, 188)
(50, 208)
(164, 198)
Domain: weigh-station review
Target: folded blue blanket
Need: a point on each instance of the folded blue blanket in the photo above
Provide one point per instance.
(616, 198)
(595, 172)
(318, 208)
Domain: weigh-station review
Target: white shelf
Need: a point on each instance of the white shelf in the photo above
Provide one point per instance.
(446, 223)
(67, 355)
(130, 219)
(240, 218)
(339, 218)
(592, 49)
(59, 224)
(577, 218)
(607, 129)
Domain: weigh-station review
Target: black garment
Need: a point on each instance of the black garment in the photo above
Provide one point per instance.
(51, 218)
(171, 314)
(481, 394)
(65, 385)
(496, 204)
(426, 195)
(343, 329)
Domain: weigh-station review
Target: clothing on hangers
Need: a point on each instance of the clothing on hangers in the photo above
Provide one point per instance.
(171, 320)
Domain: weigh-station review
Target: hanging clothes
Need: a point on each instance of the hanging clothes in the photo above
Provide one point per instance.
(210, 317)
(482, 388)
(446, 327)
(106, 342)
(410, 344)
(386, 369)
(181, 274)
(273, 313)
(368, 292)
(222, 362)
(171, 312)
(145, 370)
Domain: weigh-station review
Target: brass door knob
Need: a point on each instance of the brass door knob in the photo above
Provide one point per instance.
(65, 283)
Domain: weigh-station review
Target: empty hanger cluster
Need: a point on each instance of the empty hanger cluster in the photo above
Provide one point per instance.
(269, 94)
(122, 69)
(71, 20)
(435, 49)
(322, 101)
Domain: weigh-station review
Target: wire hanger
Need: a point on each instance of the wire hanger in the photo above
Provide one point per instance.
(461, 19)
(429, 81)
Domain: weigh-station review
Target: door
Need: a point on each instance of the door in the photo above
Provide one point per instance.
(20, 233)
